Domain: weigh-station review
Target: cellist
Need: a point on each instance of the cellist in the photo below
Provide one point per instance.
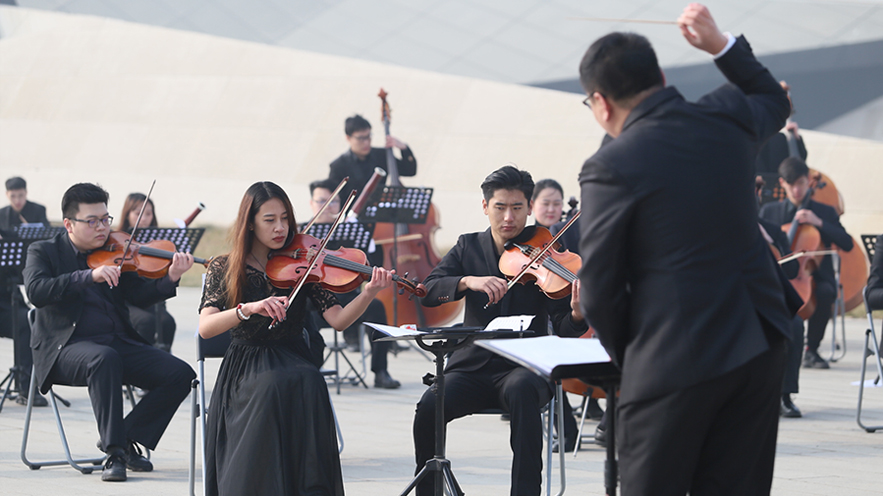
(794, 179)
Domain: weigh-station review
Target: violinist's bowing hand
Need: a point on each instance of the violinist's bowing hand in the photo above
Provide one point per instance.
(575, 312)
(700, 30)
(380, 280)
(273, 307)
(181, 263)
(107, 273)
(494, 286)
(806, 216)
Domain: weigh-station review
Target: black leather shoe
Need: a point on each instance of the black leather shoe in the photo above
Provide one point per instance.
(39, 400)
(812, 360)
(601, 436)
(595, 412)
(114, 468)
(788, 408)
(569, 444)
(383, 380)
(135, 460)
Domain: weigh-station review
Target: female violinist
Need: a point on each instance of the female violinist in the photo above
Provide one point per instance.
(145, 319)
(270, 425)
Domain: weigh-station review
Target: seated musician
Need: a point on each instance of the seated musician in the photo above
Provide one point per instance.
(144, 319)
(359, 161)
(875, 279)
(320, 194)
(20, 210)
(795, 181)
(476, 379)
(83, 335)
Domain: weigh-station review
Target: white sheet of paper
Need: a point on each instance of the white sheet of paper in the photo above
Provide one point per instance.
(511, 322)
(545, 353)
(393, 331)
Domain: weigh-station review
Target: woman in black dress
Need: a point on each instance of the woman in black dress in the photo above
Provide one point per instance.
(270, 429)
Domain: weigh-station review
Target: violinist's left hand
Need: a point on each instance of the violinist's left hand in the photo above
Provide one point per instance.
(575, 313)
(807, 216)
(392, 141)
(181, 263)
(380, 280)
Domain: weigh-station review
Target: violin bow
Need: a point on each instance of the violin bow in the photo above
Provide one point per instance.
(322, 210)
(539, 254)
(135, 228)
(796, 255)
(321, 249)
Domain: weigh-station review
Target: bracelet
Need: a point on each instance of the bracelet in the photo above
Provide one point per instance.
(241, 315)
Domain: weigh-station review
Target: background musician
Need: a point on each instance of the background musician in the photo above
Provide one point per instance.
(83, 335)
(20, 210)
(547, 202)
(320, 194)
(795, 181)
(144, 319)
(360, 160)
(475, 378)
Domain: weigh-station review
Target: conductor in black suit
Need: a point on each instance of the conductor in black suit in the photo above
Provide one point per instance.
(83, 335)
(477, 379)
(685, 294)
(794, 179)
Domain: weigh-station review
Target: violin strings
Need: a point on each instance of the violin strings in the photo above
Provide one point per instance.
(556, 267)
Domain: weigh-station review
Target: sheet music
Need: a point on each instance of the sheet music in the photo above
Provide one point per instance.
(510, 323)
(395, 332)
(543, 354)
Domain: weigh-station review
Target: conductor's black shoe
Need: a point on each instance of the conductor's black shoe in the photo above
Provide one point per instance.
(812, 360)
(114, 468)
(594, 410)
(39, 400)
(135, 460)
(601, 435)
(788, 408)
(383, 380)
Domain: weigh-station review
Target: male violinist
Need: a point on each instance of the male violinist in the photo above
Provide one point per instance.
(795, 181)
(83, 335)
(476, 379)
(360, 160)
(320, 194)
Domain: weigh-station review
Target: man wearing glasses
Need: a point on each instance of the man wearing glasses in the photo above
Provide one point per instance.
(83, 335)
(360, 160)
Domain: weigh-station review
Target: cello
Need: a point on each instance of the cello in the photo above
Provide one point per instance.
(410, 250)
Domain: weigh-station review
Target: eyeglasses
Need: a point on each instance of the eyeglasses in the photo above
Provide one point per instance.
(93, 223)
(323, 202)
(366, 137)
(588, 101)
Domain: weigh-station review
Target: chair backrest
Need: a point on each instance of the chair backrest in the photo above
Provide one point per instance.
(870, 242)
(214, 347)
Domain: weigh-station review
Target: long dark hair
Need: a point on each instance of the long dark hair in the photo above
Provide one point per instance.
(134, 202)
(242, 236)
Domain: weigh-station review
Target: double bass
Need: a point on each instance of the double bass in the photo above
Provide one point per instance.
(410, 250)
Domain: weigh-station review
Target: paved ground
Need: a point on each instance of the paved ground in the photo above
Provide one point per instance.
(824, 453)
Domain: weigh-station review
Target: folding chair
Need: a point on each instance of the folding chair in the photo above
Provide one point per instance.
(870, 337)
(80, 464)
(216, 347)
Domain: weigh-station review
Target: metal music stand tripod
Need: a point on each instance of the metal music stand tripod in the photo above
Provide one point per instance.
(12, 262)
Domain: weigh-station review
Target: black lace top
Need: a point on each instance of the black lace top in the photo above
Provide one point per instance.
(258, 288)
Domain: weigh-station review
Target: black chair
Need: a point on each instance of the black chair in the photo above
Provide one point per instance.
(870, 338)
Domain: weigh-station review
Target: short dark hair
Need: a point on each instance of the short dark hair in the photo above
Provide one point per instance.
(793, 168)
(87, 193)
(545, 184)
(619, 66)
(355, 124)
(14, 183)
(322, 183)
(507, 177)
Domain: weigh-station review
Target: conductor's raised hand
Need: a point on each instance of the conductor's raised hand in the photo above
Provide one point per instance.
(107, 273)
(380, 280)
(274, 307)
(181, 263)
(494, 287)
(575, 311)
(700, 30)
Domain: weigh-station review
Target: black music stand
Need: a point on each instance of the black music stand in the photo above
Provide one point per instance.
(185, 240)
(559, 358)
(440, 342)
(36, 232)
(399, 205)
(12, 261)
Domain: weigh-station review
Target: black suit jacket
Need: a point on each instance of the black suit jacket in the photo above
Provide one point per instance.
(782, 212)
(360, 171)
(677, 280)
(32, 212)
(47, 276)
(475, 255)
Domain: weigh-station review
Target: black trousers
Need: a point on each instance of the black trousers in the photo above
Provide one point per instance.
(20, 332)
(793, 358)
(715, 438)
(498, 384)
(144, 322)
(825, 293)
(105, 368)
(374, 313)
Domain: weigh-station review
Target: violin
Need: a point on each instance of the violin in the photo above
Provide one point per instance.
(150, 260)
(338, 271)
(540, 261)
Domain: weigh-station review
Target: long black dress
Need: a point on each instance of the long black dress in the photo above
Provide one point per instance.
(270, 428)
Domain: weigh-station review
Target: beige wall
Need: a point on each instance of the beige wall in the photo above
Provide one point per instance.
(91, 99)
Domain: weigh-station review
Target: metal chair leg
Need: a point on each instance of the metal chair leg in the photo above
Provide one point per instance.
(870, 336)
